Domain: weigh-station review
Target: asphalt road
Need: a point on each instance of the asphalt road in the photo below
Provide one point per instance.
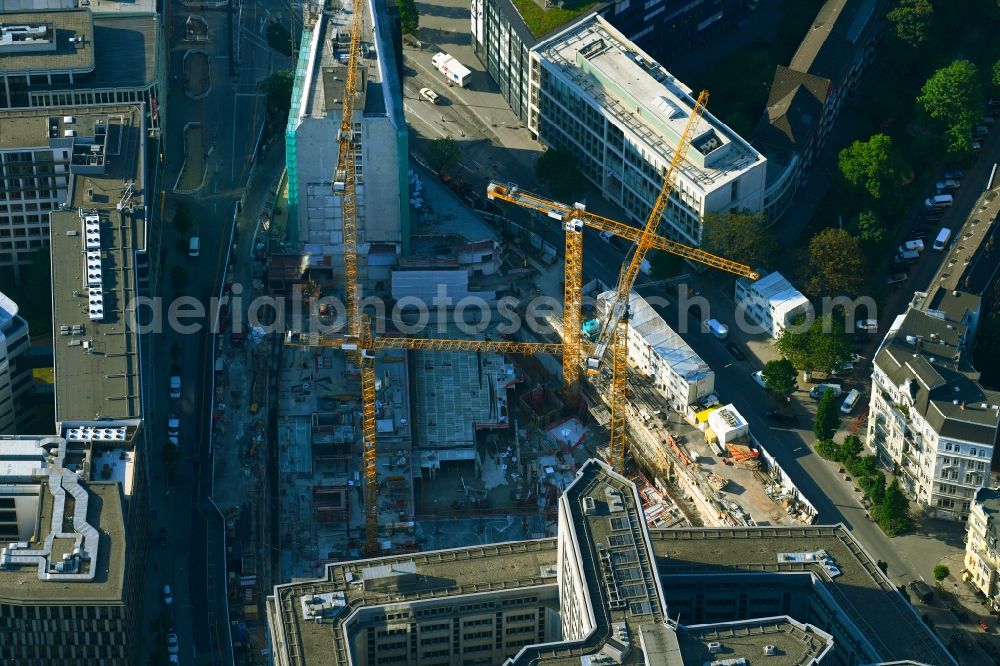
(193, 562)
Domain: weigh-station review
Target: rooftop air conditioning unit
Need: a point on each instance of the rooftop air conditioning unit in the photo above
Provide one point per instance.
(770, 650)
(714, 647)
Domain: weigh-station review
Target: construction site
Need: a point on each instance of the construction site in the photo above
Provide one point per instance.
(395, 433)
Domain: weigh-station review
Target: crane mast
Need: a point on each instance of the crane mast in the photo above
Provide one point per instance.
(629, 271)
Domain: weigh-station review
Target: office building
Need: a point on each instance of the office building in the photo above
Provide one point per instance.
(15, 368)
(505, 31)
(660, 353)
(929, 417)
(622, 116)
(982, 556)
(62, 55)
(608, 590)
(771, 302)
(65, 594)
(808, 94)
(311, 147)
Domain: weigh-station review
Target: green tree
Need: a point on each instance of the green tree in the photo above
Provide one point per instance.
(954, 95)
(874, 165)
(873, 486)
(557, 169)
(824, 346)
(941, 572)
(870, 228)
(911, 20)
(779, 376)
(826, 449)
(996, 73)
(850, 451)
(278, 92)
(743, 238)
(893, 513)
(183, 222)
(409, 18)
(827, 416)
(443, 154)
(836, 264)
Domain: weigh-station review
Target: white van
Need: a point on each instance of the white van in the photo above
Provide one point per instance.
(194, 246)
(850, 401)
(716, 328)
(939, 201)
(912, 246)
(942, 239)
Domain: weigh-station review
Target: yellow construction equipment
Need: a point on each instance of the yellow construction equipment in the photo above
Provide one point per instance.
(615, 329)
(560, 211)
(364, 347)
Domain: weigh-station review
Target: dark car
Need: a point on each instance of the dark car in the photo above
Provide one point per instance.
(781, 417)
(736, 352)
(923, 591)
(918, 235)
(899, 267)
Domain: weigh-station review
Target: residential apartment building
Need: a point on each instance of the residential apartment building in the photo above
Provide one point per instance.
(929, 417)
(597, 594)
(771, 302)
(807, 96)
(504, 31)
(15, 369)
(66, 595)
(982, 555)
(661, 354)
(59, 54)
(381, 161)
(598, 96)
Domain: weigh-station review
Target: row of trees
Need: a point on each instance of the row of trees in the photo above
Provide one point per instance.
(889, 506)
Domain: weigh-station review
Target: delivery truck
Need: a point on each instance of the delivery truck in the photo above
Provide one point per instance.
(452, 69)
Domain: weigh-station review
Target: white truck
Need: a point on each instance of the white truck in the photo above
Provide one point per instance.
(452, 69)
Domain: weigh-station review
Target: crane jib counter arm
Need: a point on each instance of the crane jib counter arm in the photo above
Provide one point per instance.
(559, 211)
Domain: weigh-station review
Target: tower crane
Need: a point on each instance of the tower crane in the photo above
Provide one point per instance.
(614, 330)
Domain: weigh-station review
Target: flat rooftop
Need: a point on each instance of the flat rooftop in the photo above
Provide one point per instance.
(105, 512)
(125, 49)
(886, 619)
(794, 643)
(645, 99)
(76, 56)
(439, 573)
(97, 363)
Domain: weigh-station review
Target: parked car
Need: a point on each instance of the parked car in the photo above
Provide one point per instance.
(172, 646)
(909, 255)
(980, 130)
(850, 402)
(976, 145)
(898, 267)
(948, 184)
(736, 352)
(915, 245)
(983, 625)
(782, 417)
(759, 378)
(869, 325)
(922, 590)
(168, 595)
(173, 429)
(959, 612)
(896, 278)
(175, 386)
(919, 235)
(429, 95)
(954, 174)
(816, 392)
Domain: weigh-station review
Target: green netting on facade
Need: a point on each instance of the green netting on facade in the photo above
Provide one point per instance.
(291, 156)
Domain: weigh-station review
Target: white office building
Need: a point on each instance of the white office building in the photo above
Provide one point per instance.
(771, 302)
(597, 95)
(929, 416)
(660, 353)
(15, 371)
(315, 199)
